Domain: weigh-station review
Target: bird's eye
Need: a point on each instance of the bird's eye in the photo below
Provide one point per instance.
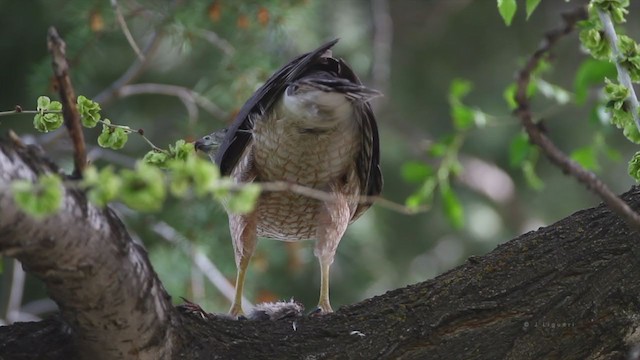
(207, 138)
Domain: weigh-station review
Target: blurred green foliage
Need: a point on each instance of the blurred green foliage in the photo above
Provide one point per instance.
(453, 138)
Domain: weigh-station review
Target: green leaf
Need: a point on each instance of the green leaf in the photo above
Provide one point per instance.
(459, 88)
(591, 72)
(509, 95)
(112, 137)
(631, 132)
(143, 189)
(438, 149)
(40, 199)
(452, 207)
(416, 172)
(49, 115)
(43, 103)
(463, 117)
(244, 201)
(424, 194)
(102, 186)
(519, 150)
(594, 40)
(156, 158)
(89, 111)
(507, 9)
(531, 7)
(634, 166)
(529, 172)
(587, 157)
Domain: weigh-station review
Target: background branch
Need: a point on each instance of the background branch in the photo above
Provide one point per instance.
(125, 30)
(548, 147)
(57, 48)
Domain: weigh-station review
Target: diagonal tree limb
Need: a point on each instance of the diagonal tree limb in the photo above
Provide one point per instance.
(106, 289)
(555, 155)
(57, 48)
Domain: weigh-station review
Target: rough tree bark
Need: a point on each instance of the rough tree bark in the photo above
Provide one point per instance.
(570, 291)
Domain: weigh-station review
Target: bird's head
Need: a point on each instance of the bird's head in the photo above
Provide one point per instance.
(209, 144)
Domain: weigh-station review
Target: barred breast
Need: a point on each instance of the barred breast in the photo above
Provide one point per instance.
(306, 144)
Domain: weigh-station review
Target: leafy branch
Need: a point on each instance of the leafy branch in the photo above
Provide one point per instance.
(538, 137)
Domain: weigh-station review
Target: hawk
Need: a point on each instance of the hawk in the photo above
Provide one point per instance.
(309, 124)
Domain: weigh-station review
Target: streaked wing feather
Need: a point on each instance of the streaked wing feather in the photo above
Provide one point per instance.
(239, 133)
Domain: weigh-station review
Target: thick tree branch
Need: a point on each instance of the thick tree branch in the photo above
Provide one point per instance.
(548, 147)
(103, 283)
(57, 48)
(566, 291)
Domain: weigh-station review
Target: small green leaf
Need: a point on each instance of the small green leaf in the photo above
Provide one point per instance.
(507, 9)
(438, 149)
(102, 186)
(43, 103)
(463, 117)
(509, 95)
(244, 201)
(531, 7)
(156, 158)
(587, 157)
(459, 88)
(519, 149)
(591, 72)
(529, 172)
(49, 116)
(424, 194)
(630, 130)
(143, 189)
(634, 166)
(594, 40)
(452, 207)
(182, 150)
(112, 137)
(89, 111)
(40, 199)
(416, 172)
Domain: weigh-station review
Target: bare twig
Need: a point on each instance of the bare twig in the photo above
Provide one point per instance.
(623, 74)
(325, 196)
(125, 30)
(216, 41)
(188, 97)
(548, 147)
(138, 66)
(57, 48)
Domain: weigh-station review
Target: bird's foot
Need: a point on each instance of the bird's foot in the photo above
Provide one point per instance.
(194, 309)
(319, 311)
(236, 312)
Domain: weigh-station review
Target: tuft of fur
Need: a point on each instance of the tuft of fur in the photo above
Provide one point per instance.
(276, 310)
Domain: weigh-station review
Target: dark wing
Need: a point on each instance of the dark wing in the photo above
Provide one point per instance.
(368, 162)
(239, 133)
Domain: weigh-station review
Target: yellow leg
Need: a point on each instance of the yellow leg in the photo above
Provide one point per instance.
(243, 233)
(323, 303)
(236, 307)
